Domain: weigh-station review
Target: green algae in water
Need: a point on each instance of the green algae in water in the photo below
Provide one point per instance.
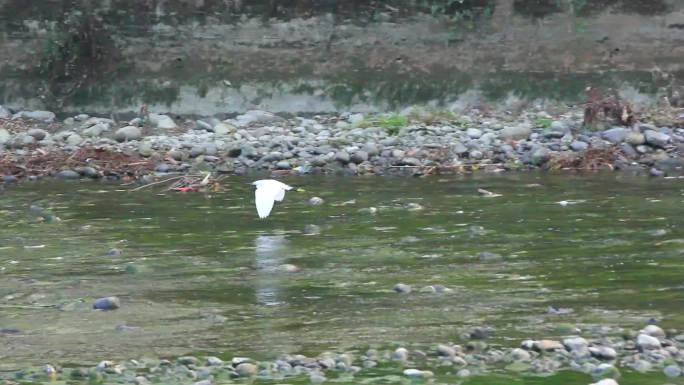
(210, 280)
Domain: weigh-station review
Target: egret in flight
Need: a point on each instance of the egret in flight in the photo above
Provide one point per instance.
(267, 192)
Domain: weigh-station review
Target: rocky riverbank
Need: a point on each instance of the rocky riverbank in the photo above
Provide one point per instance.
(416, 142)
(601, 356)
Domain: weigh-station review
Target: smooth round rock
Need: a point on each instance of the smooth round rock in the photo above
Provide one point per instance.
(128, 133)
(316, 201)
(67, 174)
(107, 303)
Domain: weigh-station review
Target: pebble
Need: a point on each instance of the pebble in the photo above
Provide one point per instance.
(672, 371)
(107, 303)
(402, 288)
(316, 201)
(647, 342)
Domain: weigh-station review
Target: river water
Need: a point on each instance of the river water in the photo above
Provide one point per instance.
(199, 273)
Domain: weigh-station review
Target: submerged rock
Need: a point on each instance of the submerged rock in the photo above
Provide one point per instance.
(107, 303)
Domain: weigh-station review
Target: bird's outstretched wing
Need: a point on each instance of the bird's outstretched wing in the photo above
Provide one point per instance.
(264, 198)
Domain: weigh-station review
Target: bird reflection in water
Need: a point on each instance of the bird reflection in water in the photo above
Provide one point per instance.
(270, 253)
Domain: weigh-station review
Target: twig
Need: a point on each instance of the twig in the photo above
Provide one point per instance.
(157, 182)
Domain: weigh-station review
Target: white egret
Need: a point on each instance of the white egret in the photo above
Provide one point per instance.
(267, 192)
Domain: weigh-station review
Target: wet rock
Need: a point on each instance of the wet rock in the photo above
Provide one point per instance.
(605, 381)
(410, 161)
(486, 256)
(288, 268)
(68, 174)
(646, 342)
(402, 288)
(311, 229)
(114, 252)
(415, 373)
(672, 371)
(479, 333)
(463, 373)
(656, 139)
(653, 331)
(400, 354)
(188, 360)
(107, 303)
(605, 371)
(37, 133)
(246, 369)
(316, 201)
(127, 133)
(160, 121)
(88, 172)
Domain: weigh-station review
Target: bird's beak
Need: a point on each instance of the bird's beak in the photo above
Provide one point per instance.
(299, 189)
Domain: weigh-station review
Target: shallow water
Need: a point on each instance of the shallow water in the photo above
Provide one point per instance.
(200, 274)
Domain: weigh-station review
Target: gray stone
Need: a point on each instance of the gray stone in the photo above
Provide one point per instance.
(646, 342)
(88, 172)
(459, 148)
(635, 138)
(476, 154)
(575, 343)
(540, 156)
(37, 133)
(342, 157)
(196, 151)
(5, 136)
(107, 303)
(22, 140)
(359, 157)
(127, 133)
(5, 113)
(474, 133)
(402, 288)
(672, 371)
(283, 165)
(163, 122)
(202, 125)
(410, 161)
(578, 145)
(653, 331)
(415, 373)
(547, 345)
(68, 174)
(605, 381)
(400, 354)
(316, 201)
(371, 149)
(446, 350)
(656, 139)
(615, 135)
(95, 130)
(74, 139)
(258, 116)
(246, 369)
(518, 354)
(603, 352)
(43, 116)
(515, 132)
(145, 149)
(224, 128)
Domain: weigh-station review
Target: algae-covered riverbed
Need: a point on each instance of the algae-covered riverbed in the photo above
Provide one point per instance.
(199, 274)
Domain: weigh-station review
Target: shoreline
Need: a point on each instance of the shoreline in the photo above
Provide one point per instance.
(602, 355)
(417, 142)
